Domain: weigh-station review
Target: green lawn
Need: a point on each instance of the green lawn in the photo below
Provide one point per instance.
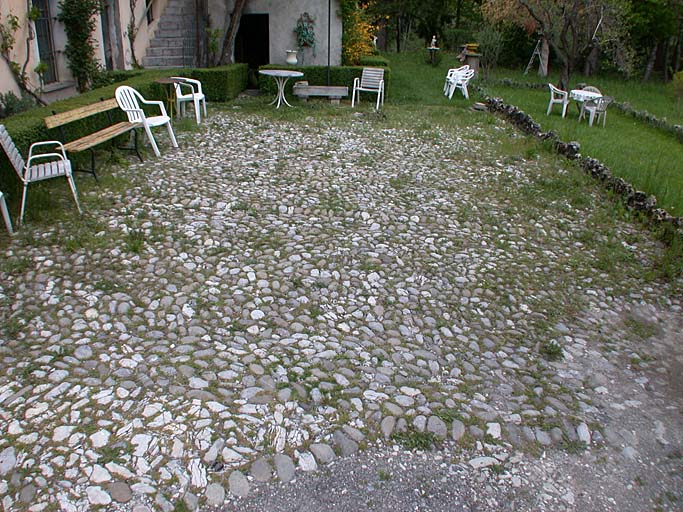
(648, 158)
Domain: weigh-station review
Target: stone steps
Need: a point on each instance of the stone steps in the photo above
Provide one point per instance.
(173, 44)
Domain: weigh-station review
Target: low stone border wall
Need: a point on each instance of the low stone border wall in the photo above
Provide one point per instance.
(634, 199)
(624, 107)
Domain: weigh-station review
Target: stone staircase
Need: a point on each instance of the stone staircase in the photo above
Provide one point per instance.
(174, 41)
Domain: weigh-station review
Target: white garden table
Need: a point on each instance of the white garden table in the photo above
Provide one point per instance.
(281, 76)
(581, 97)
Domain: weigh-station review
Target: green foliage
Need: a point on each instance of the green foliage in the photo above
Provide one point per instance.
(374, 61)
(78, 17)
(415, 440)
(222, 83)
(551, 350)
(490, 45)
(10, 104)
(305, 32)
(7, 31)
(356, 33)
(677, 86)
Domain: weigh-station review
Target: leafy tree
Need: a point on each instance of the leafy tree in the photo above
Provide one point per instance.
(652, 24)
(572, 27)
(357, 33)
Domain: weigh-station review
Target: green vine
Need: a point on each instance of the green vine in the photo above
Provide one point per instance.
(7, 41)
(79, 24)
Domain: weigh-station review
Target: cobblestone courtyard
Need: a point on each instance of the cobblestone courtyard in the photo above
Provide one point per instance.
(276, 295)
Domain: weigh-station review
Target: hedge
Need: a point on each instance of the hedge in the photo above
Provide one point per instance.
(219, 84)
(374, 61)
(317, 75)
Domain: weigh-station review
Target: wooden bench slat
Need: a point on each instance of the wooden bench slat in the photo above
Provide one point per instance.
(63, 118)
(104, 135)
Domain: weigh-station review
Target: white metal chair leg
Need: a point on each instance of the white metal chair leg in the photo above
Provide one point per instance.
(23, 203)
(5, 214)
(72, 184)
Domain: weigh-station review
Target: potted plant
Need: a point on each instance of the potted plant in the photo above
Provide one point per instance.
(305, 32)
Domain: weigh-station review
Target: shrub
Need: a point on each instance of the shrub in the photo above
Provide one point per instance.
(357, 33)
(10, 104)
(222, 83)
(374, 61)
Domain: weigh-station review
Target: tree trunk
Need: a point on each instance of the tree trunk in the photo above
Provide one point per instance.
(458, 10)
(543, 60)
(650, 63)
(590, 67)
(398, 34)
(228, 51)
(667, 47)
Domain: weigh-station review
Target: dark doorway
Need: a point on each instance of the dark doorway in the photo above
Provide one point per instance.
(252, 44)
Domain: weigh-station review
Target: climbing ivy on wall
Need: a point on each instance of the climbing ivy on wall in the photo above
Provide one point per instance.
(78, 17)
(357, 33)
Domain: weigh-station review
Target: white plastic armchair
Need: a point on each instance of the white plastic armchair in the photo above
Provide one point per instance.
(559, 97)
(39, 166)
(372, 80)
(596, 108)
(129, 101)
(450, 78)
(460, 81)
(193, 94)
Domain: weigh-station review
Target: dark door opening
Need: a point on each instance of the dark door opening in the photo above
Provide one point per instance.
(252, 44)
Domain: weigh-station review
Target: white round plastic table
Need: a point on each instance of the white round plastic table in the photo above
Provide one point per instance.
(281, 76)
(581, 95)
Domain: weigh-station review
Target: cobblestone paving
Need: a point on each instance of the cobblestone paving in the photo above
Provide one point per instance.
(274, 295)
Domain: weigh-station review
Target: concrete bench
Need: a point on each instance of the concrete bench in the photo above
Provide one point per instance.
(334, 92)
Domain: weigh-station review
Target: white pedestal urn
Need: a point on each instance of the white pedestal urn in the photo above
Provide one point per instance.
(291, 57)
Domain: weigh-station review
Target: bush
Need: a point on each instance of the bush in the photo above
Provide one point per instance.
(10, 104)
(374, 61)
(222, 83)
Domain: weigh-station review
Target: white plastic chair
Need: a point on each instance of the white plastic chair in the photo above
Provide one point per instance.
(559, 97)
(450, 78)
(596, 108)
(5, 214)
(129, 100)
(460, 81)
(372, 80)
(194, 96)
(32, 171)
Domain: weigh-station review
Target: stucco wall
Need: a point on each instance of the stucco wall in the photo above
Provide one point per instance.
(282, 21)
(18, 53)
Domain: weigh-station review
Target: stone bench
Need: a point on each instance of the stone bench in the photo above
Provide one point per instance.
(334, 92)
